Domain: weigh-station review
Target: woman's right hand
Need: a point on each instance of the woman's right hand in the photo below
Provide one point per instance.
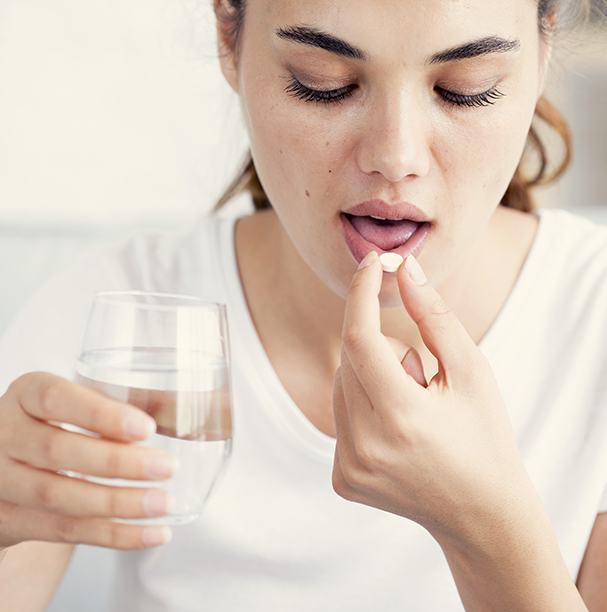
(37, 503)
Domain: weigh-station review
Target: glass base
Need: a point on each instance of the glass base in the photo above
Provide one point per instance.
(180, 519)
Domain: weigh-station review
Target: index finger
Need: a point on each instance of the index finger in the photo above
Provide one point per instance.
(52, 398)
(369, 351)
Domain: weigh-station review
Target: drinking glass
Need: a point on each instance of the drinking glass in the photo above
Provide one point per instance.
(168, 355)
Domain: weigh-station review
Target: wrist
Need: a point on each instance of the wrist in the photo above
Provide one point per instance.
(512, 565)
(483, 529)
(489, 535)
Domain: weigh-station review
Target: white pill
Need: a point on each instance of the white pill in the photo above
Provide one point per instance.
(390, 261)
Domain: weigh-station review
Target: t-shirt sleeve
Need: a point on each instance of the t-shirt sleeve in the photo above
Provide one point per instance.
(47, 332)
(603, 502)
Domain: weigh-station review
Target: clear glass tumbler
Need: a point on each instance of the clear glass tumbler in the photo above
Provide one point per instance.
(169, 356)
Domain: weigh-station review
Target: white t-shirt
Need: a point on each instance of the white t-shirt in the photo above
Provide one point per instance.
(274, 534)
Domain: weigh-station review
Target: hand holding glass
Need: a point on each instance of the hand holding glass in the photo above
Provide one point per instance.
(169, 356)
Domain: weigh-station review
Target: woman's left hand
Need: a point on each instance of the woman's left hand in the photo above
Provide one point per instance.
(442, 454)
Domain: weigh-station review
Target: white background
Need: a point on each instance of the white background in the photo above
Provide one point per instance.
(112, 112)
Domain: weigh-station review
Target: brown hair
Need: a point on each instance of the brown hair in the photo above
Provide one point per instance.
(231, 14)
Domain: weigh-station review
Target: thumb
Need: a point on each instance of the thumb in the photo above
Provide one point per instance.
(412, 364)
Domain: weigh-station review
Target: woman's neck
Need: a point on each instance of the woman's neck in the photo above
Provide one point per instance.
(291, 307)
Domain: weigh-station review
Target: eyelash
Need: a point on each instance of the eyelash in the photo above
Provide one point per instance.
(337, 96)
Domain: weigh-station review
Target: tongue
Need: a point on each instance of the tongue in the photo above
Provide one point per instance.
(386, 237)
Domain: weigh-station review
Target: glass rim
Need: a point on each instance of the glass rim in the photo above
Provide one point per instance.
(195, 302)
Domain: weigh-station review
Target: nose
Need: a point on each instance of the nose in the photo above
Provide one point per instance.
(395, 140)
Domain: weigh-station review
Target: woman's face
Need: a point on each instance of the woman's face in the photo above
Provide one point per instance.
(398, 135)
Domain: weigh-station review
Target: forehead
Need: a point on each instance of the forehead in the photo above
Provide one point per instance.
(394, 11)
(388, 29)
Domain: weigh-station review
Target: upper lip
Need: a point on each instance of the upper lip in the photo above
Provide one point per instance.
(393, 212)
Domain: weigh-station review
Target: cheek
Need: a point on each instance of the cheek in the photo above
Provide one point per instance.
(288, 139)
(482, 149)
(292, 158)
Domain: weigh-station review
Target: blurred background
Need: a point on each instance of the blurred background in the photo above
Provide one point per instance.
(114, 117)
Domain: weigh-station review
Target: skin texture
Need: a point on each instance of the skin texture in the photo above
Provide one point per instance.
(396, 450)
(36, 502)
(395, 138)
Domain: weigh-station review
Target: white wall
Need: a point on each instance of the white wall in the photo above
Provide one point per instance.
(577, 85)
(112, 112)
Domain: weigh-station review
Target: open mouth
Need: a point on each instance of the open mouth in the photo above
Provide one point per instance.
(384, 233)
(365, 233)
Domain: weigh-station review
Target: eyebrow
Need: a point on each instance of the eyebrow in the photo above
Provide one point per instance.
(313, 37)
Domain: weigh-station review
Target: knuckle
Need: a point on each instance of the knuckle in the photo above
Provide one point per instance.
(353, 338)
(366, 454)
(433, 320)
(45, 495)
(342, 478)
(49, 395)
(124, 537)
(114, 463)
(438, 307)
(108, 534)
(50, 449)
(341, 486)
(356, 283)
(21, 382)
(410, 434)
(16, 384)
(9, 428)
(113, 504)
(97, 415)
(65, 529)
(351, 477)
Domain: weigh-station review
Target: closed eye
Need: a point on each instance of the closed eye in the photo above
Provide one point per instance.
(337, 96)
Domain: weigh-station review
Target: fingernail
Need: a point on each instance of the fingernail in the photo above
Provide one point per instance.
(369, 258)
(161, 467)
(139, 426)
(158, 503)
(415, 271)
(156, 535)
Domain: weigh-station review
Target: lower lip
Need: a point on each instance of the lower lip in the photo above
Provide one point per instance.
(359, 247)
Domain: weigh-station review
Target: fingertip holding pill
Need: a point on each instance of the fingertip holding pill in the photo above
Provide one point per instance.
(390, 262)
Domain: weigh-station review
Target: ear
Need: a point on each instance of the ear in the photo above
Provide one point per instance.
(545, 53)
(225, 43)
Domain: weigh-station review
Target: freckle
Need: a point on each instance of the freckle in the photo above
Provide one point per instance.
(327, 143)
(307, 193)
(330, 171)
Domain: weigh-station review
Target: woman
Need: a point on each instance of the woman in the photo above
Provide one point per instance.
(468, 407)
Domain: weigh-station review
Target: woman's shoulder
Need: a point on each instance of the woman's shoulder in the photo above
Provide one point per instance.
(582, 229)
(575, 242)
(572, 275)
(147, 255)
(45, 334)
